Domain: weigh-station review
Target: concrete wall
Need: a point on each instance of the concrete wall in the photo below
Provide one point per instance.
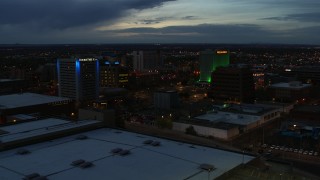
(85, 114)
(207, 131)
(107, 116)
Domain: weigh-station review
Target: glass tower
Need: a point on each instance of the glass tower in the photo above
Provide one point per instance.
(210, 60)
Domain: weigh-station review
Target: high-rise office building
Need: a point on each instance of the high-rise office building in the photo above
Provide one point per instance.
(78, 78)
(232, 83)
(146, 60)
(112, 74)
(210, 60)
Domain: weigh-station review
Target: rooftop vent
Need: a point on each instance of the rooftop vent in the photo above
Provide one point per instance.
(155, 143)
(77, 162)
(147, 141)
(124, 152)
(31, 176)
(40, 178)
(34, 176)
(82, 163)
(295, 83)
(207, 167)
(81, 137)
(86, 165)
(116, 150)
(23, 151)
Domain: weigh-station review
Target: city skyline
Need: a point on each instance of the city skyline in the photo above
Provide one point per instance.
(159, 21)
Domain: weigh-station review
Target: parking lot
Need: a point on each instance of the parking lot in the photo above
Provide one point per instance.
(284, 152)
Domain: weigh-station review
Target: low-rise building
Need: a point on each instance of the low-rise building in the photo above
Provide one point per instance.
(230, 121)
(289, 92)
(114, 154)
(28, 103)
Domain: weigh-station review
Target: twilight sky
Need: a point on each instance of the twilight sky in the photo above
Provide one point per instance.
(160, 21)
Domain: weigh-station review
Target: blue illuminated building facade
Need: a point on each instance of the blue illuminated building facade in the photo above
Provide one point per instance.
(78, 78)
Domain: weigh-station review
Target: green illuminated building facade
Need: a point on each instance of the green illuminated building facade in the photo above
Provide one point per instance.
(210, 60)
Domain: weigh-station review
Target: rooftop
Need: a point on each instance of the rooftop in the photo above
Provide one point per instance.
(250, 109)
(291, 85)
(307, 108)
(10, 80)
(27, 99)
(228, 117)
(115, 154)
(39, 127)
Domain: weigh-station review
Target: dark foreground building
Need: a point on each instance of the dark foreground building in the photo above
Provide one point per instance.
(232, 83)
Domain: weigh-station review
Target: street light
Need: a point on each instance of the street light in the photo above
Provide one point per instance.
(242, 156)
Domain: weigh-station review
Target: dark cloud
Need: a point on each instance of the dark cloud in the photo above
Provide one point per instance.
(162, 19)
(303, 17)
(61, 14)
(213, 33)
(245, 33)
(238, 29)
(204, 33)
(153, 21)
(190, 17)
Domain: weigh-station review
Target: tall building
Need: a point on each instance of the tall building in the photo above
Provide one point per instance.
(113, 75)
(289, 92)
(78, 78)
(306, 74)
(210, 60)
(232, 83)
(166, 99)
(146, 60)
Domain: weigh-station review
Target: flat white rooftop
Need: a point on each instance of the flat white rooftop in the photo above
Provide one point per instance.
(39, 127)
(27, 99)
(171, 160)
(229, 117)
(9, 80)
(22, 116)
(289, 86)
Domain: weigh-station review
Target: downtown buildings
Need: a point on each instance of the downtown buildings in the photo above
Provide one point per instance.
(210, 60)
(78, 78)
(112, 74)
(146, 60)
(233, 84)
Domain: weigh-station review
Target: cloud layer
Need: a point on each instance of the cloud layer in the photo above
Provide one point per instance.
(61, 14)
(164, 21)
(216, 33)
(303, 17)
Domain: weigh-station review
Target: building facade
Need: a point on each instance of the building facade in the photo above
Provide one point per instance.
(112, 74)
(289, 92)
(78, 78)
(166, 99)
(210, 60)
(146, 60)
(233, 83)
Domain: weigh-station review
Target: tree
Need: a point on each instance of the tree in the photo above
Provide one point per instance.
(190, 130)
(164, 122)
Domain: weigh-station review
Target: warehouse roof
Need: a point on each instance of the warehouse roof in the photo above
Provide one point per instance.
(115, 154)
